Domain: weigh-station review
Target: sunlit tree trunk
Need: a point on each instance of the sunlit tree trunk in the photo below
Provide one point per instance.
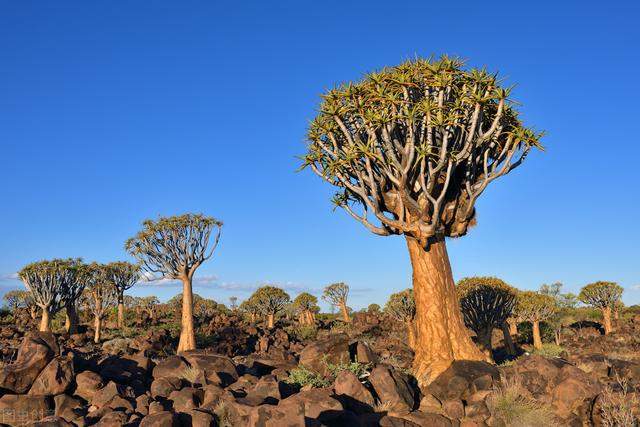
(345, 312)
(606, 320)
(45, 322)
(98, 329)
(537, 339)
(441, 336)
(270, 320)
(187, 333)
(411, 334)
(513, 327)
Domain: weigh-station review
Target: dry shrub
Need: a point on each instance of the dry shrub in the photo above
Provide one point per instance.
(510, 404)
(617, 407)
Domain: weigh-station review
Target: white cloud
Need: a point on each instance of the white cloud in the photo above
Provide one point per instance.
(12, 276)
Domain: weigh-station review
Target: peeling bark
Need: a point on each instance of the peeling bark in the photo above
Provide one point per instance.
(441, 336)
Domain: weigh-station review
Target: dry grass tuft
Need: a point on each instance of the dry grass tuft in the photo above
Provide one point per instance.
(617, 407)
(511, 405)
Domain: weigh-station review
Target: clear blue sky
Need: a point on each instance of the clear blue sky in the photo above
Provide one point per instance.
(113, 112)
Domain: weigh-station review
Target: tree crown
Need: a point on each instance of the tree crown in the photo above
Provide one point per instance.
(270, 299)
(336, 293)
(534, 306)
(412, 147)
(401, 306)
(486, 302)
(601, 294)
(175, 246)
(123, 275)
(53, 283)
(305, 301)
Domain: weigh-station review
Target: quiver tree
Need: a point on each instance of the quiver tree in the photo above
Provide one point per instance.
(101, 294)
(402, 307)
(15, 300)
(603, 296)
(250, 307)
(410, 149)
(269, 300)
(48, 282)
(535, 307)
(74, 286)
(150, 306)
(336, 295)
(486, 304)
(123, 275)
(234, 302)
(175, 247)
(306, 306)
(373, 308)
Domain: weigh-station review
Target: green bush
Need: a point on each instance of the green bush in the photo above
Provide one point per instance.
(302, 376)
(304, 332)
(361, 370)
(549, 350)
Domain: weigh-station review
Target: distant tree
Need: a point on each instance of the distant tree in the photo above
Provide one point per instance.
(535, 307)
(250, 307)
(150, 305)
(203, 308)
(402, 307)
(270, 300)
(101, 293)
(603, 296)
(373, 308)
(48, 282)
(15, 300)
(566, 304)
(410, 149)
(175, 247)
(486, 304)
(336, 295)
(123, 275)
(234, 303)
(306, 305)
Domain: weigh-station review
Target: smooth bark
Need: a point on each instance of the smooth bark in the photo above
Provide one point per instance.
(98, 329)
(345, 312)
(508, 340)
(120, 311)
(606, 320)
(187, 333)
(441, 336)
(270, 320)
(537, 339)
(45, 323)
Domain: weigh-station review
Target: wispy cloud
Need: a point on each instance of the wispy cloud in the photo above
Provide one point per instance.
(11, 276)
(151, 280)
(636, 287)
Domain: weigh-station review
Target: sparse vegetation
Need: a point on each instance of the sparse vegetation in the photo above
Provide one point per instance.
(510, 405)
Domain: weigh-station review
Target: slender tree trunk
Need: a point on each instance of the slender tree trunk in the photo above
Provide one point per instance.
(513, 327)
(120, 311)
(484, 342)
(345, 312)
(33, 312)
(45, 323)
(270, 320)
(606, 320)
(537, 340)
(187, 333)
(556, 336)
(508, 341)
(71, 321)
(411, 334)
(98, 329)
(441, 336)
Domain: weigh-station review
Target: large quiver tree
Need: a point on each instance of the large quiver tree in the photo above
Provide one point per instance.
(123, 275)
(486, 304)
(604, 296)
(411, 148)
(175, 247)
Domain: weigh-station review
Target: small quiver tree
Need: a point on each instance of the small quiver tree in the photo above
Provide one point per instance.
(175, 247)
(486, 304)
(250, 308)
(305, 306)
(535, 307)
(101, 295)
(411, 148)
(123, 275)
(402, 307)
(336, 295)
(150, 306)
(603, 296)
(270, 300)
(47, 282)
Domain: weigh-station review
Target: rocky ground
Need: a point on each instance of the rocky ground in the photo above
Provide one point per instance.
(337, 375)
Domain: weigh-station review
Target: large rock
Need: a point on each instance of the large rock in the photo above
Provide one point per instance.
(333, 349)
(87, 384)
(186, 399)
(172, 366)
(55, 378)
(463, 379)
(20, 409)
(68, 407)
(215, 364)
(352, 393)
(318, 405)
(393, 387)
(34, 354)
(273, 416)
(160, 419)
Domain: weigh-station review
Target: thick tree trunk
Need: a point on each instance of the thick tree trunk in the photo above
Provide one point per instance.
(484, 342)
(187, 333)
(508, 341)
(441, 336)
(71, 321)
(120, 311)
(98, 329)
(537, 340)
(345, 312)
(45, 322)
(270, 320)
(606, 320)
